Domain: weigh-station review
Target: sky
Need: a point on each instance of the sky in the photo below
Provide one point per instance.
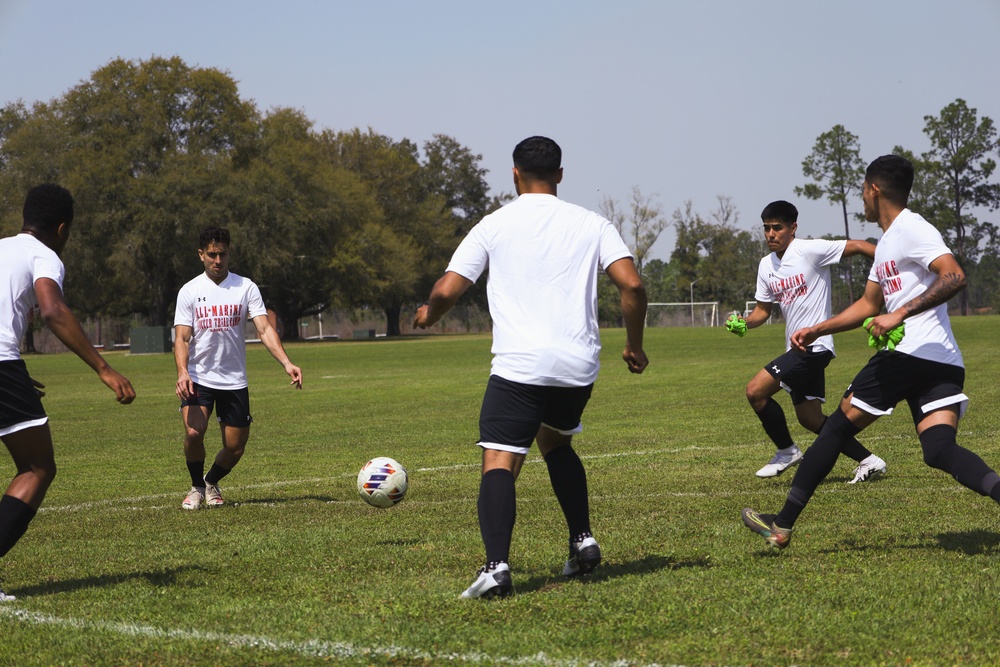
(686, 101)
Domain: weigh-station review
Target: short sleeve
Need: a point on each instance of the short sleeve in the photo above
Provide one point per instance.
(184, 312)
(472, 255)
(824, 253)
(255, 302)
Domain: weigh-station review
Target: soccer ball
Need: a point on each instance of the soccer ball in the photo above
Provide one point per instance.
(382, 482)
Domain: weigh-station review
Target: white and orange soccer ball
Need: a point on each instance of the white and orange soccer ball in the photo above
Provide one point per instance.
(382, 482)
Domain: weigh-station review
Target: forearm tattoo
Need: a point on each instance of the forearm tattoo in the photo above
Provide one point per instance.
(946, 286)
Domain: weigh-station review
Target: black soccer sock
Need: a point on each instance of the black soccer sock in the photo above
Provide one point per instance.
(569, 481)
(772, 418)
(15, 515)
(816, 464)
(197, 471)
(853, 448)
(497, 511)
(215, 473)
(942, 451)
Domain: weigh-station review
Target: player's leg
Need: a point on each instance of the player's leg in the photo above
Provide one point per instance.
(508, 421)
(810, 415)
(233, 410)
(34, 459)
(195, 418)
(563, 412)
(760, 392)
(936, 411)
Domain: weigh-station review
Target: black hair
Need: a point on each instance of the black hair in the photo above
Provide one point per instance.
(782, 211)
(213, 235)
(47, 206)
(893, 174)
(538, 156)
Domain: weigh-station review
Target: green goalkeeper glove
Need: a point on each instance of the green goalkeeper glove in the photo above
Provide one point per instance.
(887, 341)
(737, 325)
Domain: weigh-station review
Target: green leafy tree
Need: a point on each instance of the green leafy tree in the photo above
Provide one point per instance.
(962, 150)
(837, 171)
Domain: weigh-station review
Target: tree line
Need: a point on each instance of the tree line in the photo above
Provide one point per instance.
(156, 150)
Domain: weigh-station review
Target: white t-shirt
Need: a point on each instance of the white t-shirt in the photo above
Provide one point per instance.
(800, 283)
(23, 260)
(902, 269)
(544, 256)
(218, 315)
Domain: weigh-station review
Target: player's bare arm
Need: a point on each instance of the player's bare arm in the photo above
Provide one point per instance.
(858, 247)
(759, 315)
(64, 325)
(444, 295)
(868, 305)
(950, 281)
(182, 349)
(633, 301)
(269, 337)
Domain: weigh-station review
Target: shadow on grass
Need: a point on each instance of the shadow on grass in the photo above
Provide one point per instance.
(167, 577)
(970, 542)
(606, 571)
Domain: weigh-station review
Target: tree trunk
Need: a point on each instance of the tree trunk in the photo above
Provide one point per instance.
(392, 320)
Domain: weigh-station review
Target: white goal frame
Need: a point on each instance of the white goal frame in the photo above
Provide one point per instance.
(689, 304)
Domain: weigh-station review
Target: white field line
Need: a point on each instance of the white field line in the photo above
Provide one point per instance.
(129, 503)
(313, 648)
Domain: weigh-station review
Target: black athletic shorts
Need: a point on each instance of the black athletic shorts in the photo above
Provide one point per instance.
(513, 412)
(890, 377)
(802, 374)
(20, 404)
(232, 406)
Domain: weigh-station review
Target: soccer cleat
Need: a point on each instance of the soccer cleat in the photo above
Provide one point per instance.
(194, 498)
(213, 495)
(782, 461)
(491, 583)
(584, 556)
(763, 525)
(868, 469)
(6, 598)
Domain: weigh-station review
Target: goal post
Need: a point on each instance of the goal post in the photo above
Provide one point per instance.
(683, 314)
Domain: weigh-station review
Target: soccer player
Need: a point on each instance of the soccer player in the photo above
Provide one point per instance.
(913, 276)
(796, 275)
(543, 256)
(31, 279)
(211, 357)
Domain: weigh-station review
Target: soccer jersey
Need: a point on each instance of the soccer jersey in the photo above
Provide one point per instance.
(902, 269)
(23, 260)
(544, 256)
(799, 282)
(218, 315)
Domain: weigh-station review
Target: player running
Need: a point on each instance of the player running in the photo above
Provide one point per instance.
(796, 275)
(913, 276)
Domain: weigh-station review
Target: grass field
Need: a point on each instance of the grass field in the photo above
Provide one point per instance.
(297, 570)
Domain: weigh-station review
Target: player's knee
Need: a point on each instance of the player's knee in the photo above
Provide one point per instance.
(934, 441)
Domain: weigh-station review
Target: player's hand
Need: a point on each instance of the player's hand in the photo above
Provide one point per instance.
(636, 361)
(737, 325)
(420, 319)
(883, 324)
(295, 373)
(184, 388)
(118, 383)
(803, 338)
(38, 387)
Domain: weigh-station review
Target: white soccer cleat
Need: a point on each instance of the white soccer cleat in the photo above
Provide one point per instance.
(869, 469)
(6, 598)
(193, 499)
(782, 461)
(491, 583)
(584, 556)
(213, 495)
